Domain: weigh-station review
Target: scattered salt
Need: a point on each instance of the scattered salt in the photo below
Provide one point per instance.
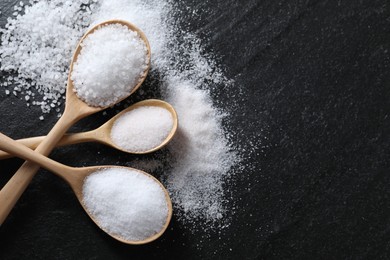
(38, 44)
(142, 129)
(202, 159)
(111, 63)
(126, 203)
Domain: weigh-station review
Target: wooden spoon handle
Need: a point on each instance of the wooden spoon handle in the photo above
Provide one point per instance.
(16, 148)
(15, 187)
(68, 139)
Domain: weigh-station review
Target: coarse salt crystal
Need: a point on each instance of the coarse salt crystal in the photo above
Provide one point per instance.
(110, 64)
(37, 44)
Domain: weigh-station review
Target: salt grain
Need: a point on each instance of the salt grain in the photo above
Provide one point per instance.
(38, 44)
(202, 157)
(111, 63)
(126, 203)
(142, 129)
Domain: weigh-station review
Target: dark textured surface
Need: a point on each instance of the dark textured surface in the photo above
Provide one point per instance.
(315, 84)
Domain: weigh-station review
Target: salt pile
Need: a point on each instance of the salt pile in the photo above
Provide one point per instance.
(201, 157)
(111, 63)
(142, 129)
(126, 203)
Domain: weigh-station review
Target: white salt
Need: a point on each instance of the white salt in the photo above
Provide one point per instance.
(201, 157)
(111, 63)
(142, 129)
(126, 203)
(37, 46)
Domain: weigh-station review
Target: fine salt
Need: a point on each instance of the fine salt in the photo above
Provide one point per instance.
(111, 63)
(126, 203)
(142, 129)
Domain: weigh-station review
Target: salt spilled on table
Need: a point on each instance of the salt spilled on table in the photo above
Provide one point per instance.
(125, 203)
(111, 63)
(142, 128)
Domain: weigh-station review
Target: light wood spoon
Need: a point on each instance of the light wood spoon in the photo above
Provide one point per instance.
(75, 177)
(75, 109)
(103, 133)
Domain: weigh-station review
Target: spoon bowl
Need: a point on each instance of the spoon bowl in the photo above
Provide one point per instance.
(106, 129)
(103, 133)
(75, 109)
(76, 177)
(71, 93)
(76, 180)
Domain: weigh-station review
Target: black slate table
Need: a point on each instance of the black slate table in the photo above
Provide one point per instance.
(315, 81)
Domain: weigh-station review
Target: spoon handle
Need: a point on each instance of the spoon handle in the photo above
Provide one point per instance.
(16, 148)
(15, 187)
(67, 139)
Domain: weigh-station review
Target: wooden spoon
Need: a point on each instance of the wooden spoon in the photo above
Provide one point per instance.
(75, 109)
(103, 133)
(76, 177)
